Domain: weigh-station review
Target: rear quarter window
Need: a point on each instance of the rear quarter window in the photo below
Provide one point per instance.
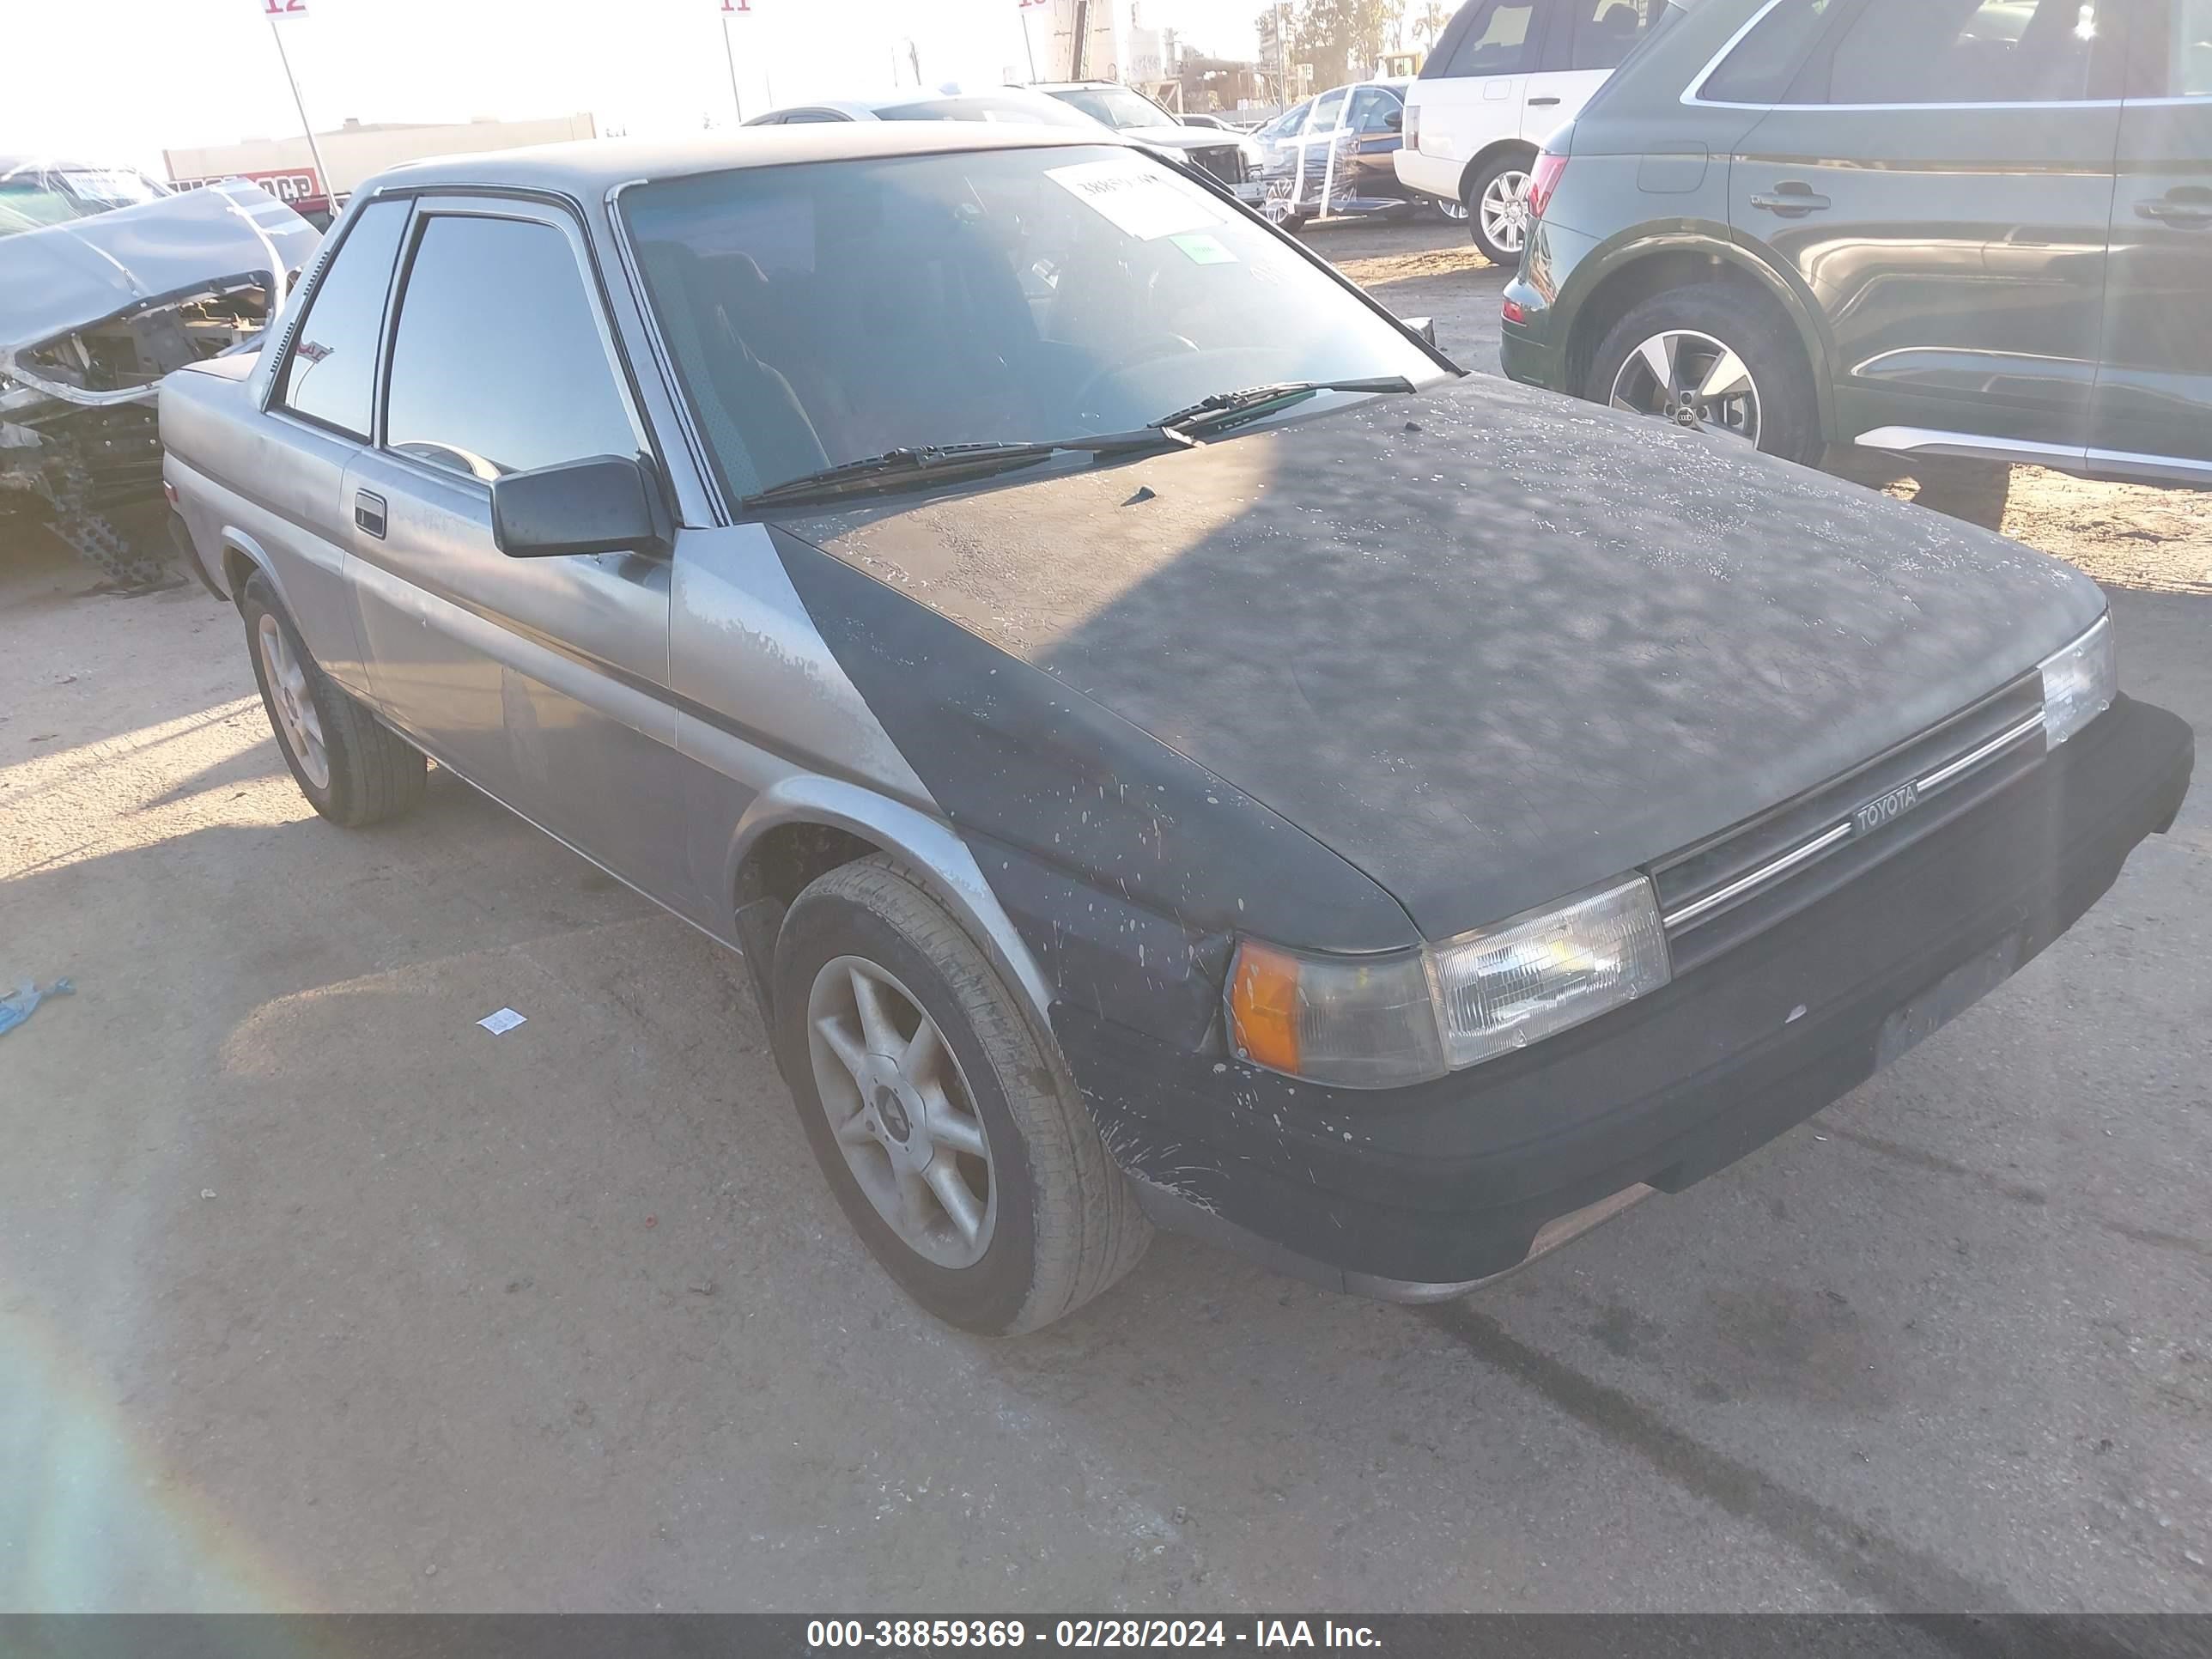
(1765, 61)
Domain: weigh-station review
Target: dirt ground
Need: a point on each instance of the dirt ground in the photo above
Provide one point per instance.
(314, 1295)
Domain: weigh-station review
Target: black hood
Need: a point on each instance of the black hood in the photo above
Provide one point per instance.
(1489, 645)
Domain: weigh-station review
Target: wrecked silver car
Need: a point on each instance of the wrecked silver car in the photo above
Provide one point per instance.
(104, 289)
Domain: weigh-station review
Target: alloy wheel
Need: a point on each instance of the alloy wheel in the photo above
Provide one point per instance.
(1695, 381)
(1504, 210)
(900, 1111)
(299, 724)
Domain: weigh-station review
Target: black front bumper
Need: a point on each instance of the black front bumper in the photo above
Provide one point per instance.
(1409, 1192)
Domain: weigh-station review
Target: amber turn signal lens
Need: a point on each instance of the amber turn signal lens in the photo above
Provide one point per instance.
(1263, 1006)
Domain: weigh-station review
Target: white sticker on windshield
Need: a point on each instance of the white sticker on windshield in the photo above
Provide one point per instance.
(1141, 200)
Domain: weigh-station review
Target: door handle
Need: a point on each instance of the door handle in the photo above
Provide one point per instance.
(1791, 199)
(2191, 215)
(1541, 103)
(368, 513)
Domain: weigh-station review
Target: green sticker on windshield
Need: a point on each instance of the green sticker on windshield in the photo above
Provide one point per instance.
(1202, 247)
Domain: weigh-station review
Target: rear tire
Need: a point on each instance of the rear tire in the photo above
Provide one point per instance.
(352, 769)
(1497, 203)
(1054, 1221)
(1698, 318)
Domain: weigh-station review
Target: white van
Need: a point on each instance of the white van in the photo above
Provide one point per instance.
(1504, 74)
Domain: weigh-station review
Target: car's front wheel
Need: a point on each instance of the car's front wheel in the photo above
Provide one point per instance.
(350, 767)
(946, 1124)
(1497, 204)
(1709, 360)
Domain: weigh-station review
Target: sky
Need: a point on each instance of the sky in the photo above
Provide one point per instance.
(162, 74)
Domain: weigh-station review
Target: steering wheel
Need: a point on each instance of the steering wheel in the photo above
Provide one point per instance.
(1149, 350)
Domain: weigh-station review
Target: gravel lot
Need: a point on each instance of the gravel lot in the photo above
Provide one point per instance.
(314, 1294)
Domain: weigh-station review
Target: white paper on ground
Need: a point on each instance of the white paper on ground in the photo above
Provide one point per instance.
(505, 1020)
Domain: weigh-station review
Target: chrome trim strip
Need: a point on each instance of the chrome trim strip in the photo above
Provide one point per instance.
(1931, 440)
(1944, 776)
(1766, 872)
(2135, 460)
(1692, 97)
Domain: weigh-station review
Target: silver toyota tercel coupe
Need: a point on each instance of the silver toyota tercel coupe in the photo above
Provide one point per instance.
(1170, 748)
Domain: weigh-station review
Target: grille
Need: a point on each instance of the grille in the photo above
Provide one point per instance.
(1224, 161)
(1746, 878)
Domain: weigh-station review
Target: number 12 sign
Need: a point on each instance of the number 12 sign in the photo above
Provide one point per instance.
(273, 10)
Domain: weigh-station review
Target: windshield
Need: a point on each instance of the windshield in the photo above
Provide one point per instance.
(825, 312)
(1117, 107)
(102, 188)
(32, 197)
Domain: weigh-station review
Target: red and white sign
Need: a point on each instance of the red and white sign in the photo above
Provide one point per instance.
(291, 185)
(737, 7)
(273, 10)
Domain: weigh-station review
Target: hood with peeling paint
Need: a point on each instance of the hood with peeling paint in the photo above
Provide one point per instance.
(63, 277)
(1489, 645)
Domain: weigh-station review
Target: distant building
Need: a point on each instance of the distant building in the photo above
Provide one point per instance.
(356, 151)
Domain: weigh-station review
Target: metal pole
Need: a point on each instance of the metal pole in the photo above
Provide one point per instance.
(1028, 44)
(730, 58)
(315, 150)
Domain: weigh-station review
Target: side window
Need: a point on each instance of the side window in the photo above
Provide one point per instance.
(1960, 52)
(1606, 31)
(331, 376)
(1499, 41)
(800, 118)
(1371, 110)
(2192, 48)
(1765, 61)
(496, 361)
(1326, 109)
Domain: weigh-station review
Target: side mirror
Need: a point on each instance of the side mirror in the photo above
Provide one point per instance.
(605, 504)
(1396, 120)
(1423, 326)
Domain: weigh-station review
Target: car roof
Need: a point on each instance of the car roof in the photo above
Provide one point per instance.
(590, 168)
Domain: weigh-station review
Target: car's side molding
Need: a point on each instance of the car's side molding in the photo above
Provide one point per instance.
(932, 850)
(2071, 458)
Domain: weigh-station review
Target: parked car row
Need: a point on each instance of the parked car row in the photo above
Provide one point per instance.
(1977, 228)
(1080, 104)
(1503, 75)
(1170, 748)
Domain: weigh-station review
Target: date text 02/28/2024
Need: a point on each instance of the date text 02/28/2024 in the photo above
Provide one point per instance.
(830, 1634)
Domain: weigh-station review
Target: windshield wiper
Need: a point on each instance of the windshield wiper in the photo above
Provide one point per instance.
(897, 469)
(1226, 408)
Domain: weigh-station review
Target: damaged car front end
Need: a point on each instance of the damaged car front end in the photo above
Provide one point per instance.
(93, 310)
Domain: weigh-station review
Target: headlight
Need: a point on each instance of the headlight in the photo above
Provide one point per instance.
(2079, 682)
(1383, 1021)
(1503, 987)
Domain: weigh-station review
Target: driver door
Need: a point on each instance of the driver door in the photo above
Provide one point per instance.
(543, 680)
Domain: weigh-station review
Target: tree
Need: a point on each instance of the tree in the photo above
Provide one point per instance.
(1427, 22)
(1342, 39)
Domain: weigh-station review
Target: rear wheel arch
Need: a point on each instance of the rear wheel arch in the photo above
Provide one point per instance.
(1492, 152)
(1630, 281)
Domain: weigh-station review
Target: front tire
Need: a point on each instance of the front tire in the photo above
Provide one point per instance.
(946, 1125)
(352, 771)
(1497, 203)
(1712, 359)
